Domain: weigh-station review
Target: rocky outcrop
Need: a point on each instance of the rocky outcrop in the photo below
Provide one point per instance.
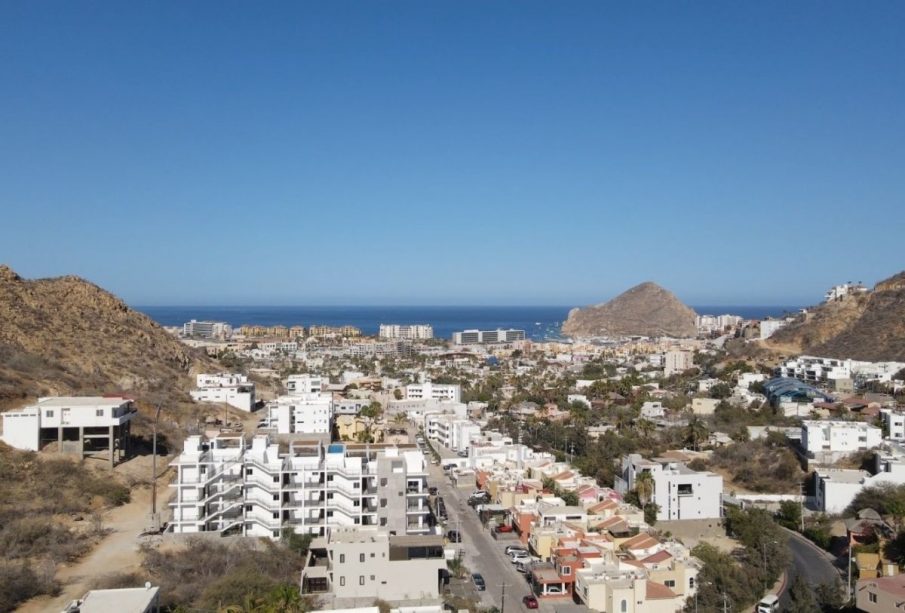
(645, 310)
(66, 335)
(866, 326)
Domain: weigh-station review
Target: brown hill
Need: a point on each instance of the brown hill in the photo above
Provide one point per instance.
(868, 326)
(66, 335)
(644, 310)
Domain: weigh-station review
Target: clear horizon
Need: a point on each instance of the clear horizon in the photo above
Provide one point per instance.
(511, 153)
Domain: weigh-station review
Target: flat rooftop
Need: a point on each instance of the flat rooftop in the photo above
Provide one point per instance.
(126, 600)
(82, 401)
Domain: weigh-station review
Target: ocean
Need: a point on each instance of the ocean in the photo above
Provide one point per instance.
(539, 322)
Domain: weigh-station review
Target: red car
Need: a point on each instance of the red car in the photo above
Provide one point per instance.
(504, 528)
(530, 602)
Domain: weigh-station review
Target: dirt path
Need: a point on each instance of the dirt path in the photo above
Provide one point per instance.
(116, 553)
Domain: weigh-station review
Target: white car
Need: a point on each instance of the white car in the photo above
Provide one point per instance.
(519, 556)
(510, 549)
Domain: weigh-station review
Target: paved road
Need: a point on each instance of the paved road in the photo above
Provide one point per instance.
(812, 563)
(481, 552)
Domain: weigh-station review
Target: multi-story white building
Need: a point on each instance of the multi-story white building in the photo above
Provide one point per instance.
(433, 391)
(679, 492)
(224, 486)
(675, 362)
(826, 441)
(304, 384)
(838, 292)
(233, 389)
(450, 431)
(70, 421)
(893, 424)
(479, 337)
(716, 323)
(301, 414)
(768, 327)
(207, 329)
(410, 332)
(370, 563)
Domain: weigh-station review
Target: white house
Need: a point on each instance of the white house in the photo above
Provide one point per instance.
(301, 414)
(78, 424)
(304, 384)
(653, 410)
(827, 441)
(679, 492)
(234, 389)
(433, 391)
(894, 424)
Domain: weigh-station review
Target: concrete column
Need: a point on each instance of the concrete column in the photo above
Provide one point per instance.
(60, 439)
(112, 443)
(81, 442)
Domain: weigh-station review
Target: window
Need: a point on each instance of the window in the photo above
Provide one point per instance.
(372, 555)
(248, 471)
(691, 582)
(48, 413)
(276, 496)
(624, 606)
(565, 570)
(99, 412)
(372, 577)
(276, 515)
(669, 583)
(248, 508)
(342, 558)
(342, 581)
(361, 580)
(872, 597)
(361, 557)
(276, 479)
(685, 489)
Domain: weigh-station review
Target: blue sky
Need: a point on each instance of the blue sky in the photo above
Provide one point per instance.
(453, 152)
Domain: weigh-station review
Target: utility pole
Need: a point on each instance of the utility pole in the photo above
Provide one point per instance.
(155, 520)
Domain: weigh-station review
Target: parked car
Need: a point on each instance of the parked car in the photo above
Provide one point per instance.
(478, 581)
(512, 548)
(454, 536)
(504, 528)
(554, 589)
(462, 454)
(530, 602)
(519, 556)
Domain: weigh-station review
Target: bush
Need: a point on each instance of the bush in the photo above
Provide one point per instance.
(19, 582)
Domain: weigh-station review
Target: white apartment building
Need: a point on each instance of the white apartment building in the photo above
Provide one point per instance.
(304, 384)
(716, 323)
(433, 391)
(838, 292)
(768, 327)
(369, 563)
(233, 389)
(680, 492)
(836, 488)
(207, 329)
(480, 337)
(653, 410)
(410, 332)
(301, 414)
(894, 424)
(450, 431)
(224, 486)
(676, 362)
(78, 424)
(827, 441)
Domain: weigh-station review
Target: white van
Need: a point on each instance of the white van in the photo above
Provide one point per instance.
(768, 604)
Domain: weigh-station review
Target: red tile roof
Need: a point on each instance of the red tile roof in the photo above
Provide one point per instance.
(658, 591)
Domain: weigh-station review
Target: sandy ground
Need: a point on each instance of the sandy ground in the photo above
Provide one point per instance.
(118, 552)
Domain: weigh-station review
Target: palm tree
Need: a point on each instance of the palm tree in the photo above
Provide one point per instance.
(645, 427)
(285, 598)
(644, 487)
(696, 432)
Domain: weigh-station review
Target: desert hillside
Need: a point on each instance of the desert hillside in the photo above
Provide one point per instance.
(66, 335)
(868, 326)
(644, 310)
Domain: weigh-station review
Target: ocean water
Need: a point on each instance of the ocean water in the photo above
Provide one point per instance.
(539, 322)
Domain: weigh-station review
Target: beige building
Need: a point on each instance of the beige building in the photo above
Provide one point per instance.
(880, 595)
(361, 564)
(613, 590)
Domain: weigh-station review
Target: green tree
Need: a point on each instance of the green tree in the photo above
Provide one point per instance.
(644, 486)
(696, 432)
(789, 515)
(801, 597)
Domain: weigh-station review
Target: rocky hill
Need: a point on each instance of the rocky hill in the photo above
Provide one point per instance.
(66, 335)
(868, 326)
(644, 310)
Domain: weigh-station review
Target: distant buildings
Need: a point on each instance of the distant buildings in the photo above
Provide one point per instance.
(78, 424)
(768, 327)
(224, 486)
(716, 323)
(410, 332)
(207, 329)
(480, 337)
(838, 292)
(676, 362)
(233, 389)
(433, 391)
(301, 414)
(828, 441)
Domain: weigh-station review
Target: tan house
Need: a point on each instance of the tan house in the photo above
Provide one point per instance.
(880, 595)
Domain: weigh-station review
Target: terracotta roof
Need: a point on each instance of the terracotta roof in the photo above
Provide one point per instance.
(656, 558)
(603, 506)
(658, 591)
(894, 585)
(640, 541)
